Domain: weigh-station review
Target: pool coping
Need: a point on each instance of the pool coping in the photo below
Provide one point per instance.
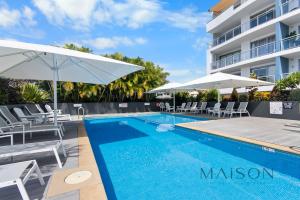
(278, 147)
(91, 189)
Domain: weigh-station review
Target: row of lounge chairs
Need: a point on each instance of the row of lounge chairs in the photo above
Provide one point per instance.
(24, 123)
(203, 108)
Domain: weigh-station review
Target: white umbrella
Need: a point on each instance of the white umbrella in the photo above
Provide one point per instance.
(221, 80)
(167, 88)
(164, 96)
(20, 60)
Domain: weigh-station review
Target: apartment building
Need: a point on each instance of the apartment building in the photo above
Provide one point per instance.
(255, 36)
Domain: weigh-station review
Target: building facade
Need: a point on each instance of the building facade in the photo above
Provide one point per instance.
(255, 36)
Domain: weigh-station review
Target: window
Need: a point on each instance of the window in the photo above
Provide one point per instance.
(262, 17)
(299, 65)
(263, 46)
(263, 73)
(229, 59)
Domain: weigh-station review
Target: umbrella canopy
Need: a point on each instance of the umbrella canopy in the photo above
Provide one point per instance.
(168, 88)
(164, 96)
(221, 80)
(20, 60)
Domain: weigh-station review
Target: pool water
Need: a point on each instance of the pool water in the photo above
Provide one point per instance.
(137, 160)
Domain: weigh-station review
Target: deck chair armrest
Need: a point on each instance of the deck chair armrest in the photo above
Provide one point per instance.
(8, 136)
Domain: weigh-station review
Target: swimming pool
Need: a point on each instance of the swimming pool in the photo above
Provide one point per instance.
(137, 161)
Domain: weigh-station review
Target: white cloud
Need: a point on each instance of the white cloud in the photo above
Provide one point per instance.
(77, 13)
(128, 13)
(9, 17)
(29, 15)
(113, 42)
(188, 19)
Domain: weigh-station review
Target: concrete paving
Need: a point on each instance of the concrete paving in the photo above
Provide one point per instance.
(275, 131)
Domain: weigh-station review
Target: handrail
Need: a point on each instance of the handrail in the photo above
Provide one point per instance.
(243, 27)
(284, 9)
(266, 49)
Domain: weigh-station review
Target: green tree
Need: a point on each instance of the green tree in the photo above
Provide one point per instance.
(212, 95)
(234, 95)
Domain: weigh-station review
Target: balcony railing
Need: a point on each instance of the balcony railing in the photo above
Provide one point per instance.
(289, 6)
(269, 78)
(273, 47)
(258, 20)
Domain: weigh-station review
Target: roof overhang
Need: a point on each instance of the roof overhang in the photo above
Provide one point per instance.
(221, 6)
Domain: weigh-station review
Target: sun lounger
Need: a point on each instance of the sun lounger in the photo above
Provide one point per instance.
(229, 109)
(34, 119)
(59, 113)
(34, 148)
(201, 108)
(215, 110)
(162, 106)
(180, 108)
(193, 107)
(169, 108)
(4, 111)
(242, 109)
(18, 174)
(187, 107)
(7, 129)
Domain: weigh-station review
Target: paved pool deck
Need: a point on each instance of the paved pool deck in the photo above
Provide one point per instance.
(274, 133)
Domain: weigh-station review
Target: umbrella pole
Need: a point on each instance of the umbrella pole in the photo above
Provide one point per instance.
(219, 100)
(174, 103)
(55, 71)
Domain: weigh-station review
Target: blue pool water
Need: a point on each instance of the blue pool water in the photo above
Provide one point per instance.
(138, 159)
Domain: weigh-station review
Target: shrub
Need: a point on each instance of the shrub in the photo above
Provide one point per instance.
(251, 94)
(234, 95)
(279, 95)
(243, 98)
(262, 96)
(201, 96)
(212, 95)
(31, 93)
(226, 98)
(294, 95)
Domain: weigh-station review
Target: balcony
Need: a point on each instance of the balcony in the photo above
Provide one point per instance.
(268, 78)
(256, 21)
(267, 49)
(289, 6)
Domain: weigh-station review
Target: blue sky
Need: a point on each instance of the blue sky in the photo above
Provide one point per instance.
(170, 33)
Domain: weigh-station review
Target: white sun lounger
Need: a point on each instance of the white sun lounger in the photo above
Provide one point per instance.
(201, 108)
(169, 108)
(18, 174)
(215, 110)
(229, 109)
(180, 108)
(33, 148)
(51, 113)
(4, 111)
(187, 107)
(242, 109)
(194, 107)
(25, 118)
(6, 129)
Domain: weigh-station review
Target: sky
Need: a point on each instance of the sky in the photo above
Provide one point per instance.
(171, 33)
